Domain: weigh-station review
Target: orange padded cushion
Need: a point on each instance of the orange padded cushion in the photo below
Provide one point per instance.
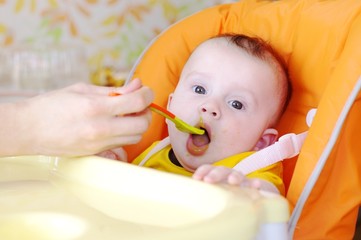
(320, 42)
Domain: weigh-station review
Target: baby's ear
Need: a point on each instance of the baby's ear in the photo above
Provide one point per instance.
(168, 105)
(169, 100)
(268, 137)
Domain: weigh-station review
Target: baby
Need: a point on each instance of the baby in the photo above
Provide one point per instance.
(236, 88)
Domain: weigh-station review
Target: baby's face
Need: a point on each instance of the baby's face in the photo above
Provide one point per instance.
(227, 92)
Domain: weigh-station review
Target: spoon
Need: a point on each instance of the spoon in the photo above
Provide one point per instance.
(179, 123)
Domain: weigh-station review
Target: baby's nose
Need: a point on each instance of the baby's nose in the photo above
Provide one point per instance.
(211, 111)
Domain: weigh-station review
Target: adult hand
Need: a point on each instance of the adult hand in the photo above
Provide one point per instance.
(78, 120)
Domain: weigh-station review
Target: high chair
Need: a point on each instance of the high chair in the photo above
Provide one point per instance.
(320, 41)
(86, 198)
(43, 197)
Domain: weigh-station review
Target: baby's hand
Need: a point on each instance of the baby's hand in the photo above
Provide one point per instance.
(220, 174)
(115, 154)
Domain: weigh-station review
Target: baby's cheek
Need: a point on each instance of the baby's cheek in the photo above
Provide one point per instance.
(237, 142)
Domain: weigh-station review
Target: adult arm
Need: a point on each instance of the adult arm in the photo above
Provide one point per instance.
(78, 120)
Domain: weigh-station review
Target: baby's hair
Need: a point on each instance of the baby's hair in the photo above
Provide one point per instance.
(261, 49)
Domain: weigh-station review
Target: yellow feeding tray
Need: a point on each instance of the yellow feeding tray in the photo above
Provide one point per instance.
(44, 197)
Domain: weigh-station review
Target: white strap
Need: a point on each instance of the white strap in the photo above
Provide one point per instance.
(288, 146)
(162, 144)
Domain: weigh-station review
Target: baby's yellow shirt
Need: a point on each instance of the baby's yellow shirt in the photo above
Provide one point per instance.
(161, 161)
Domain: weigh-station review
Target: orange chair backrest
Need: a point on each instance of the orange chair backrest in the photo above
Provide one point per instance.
(320, 41)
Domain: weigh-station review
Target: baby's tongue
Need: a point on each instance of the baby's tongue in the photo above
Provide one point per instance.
(200, 140)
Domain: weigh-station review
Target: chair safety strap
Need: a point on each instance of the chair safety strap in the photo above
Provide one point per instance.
(160, 145)
(287, 146)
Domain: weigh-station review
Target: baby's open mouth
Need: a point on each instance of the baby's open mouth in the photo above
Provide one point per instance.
(198, 144)
(201, 140)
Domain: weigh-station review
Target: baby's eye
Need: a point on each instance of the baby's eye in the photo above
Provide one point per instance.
(237, 104)
(199, 89)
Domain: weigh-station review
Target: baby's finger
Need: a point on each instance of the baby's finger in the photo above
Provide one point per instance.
(110, 154)
(202, 171)
(235, 178)
(255, 183)
(217, 175)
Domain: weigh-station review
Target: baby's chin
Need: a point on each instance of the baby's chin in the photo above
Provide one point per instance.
(191, 163)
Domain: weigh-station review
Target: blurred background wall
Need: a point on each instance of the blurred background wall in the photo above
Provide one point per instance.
(108, 32)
